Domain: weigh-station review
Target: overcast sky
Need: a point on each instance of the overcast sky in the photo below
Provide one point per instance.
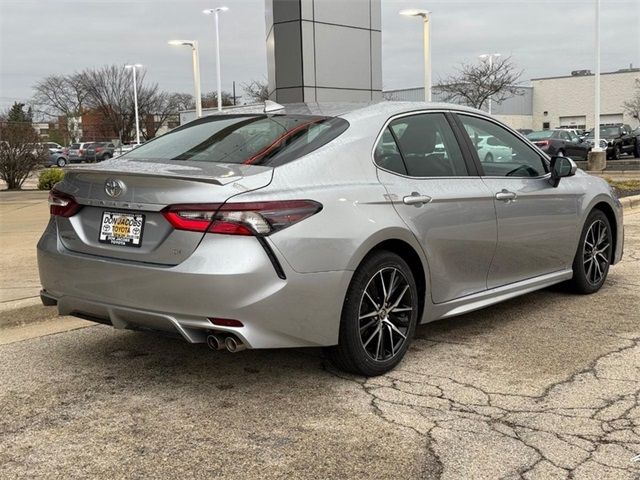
(545, 37)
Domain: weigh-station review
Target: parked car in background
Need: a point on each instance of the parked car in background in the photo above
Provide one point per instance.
(579, 132)
(57, 159)
(77, 152)
(617, 138)
(53, 146)
(561, 142)
(127, 147)
(99, 151)
(490, 149)
(342, 231)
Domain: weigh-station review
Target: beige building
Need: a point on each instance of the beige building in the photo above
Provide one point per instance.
(569, 100)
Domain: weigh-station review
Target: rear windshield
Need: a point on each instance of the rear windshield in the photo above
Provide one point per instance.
(605, 132)
(540, 135)
(251, 139)
(75, 146)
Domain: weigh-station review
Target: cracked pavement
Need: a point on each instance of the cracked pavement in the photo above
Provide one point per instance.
(543, 386)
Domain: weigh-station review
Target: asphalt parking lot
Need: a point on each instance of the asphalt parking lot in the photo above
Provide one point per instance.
(544, 386)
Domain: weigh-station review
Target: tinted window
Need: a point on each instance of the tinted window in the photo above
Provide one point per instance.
(428, 146)
(75, 146)
(387, 155)
(512, 157)
(254, 139)
(540, 135)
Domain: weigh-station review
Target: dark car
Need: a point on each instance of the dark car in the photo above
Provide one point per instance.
(618, 139)
(98, 151)
(563, 143)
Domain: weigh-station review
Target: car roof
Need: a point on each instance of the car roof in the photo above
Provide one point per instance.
(351, 111)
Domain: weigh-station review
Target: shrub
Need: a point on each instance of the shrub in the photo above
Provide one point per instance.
(49, 177)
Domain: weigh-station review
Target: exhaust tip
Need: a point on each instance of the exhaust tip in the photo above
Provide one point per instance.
(215, 342)
(234, 345)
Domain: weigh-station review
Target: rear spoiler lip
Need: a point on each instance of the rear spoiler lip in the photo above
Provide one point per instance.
(177, 176)
(185, 174)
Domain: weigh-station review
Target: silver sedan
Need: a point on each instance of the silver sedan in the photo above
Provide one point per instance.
(322, 225)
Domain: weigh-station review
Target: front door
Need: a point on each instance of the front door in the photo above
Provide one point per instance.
(448, 209)
(536, 222)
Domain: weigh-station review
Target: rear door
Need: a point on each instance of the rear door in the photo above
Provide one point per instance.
(435, 190)
(536, 222)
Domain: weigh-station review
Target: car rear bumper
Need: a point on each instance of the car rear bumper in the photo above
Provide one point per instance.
(226, 277)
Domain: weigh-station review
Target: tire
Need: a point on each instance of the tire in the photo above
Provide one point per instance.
(106, 157)
(373, 338)
(586, 266)
(61, 162)
(636, 149)
(488, 158)
(616, 153)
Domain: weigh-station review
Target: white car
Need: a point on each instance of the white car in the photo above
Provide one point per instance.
(491, 150)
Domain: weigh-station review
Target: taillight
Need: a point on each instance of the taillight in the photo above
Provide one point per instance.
(542, 143)
(62, 204)
(80, 152)
(98, 149)
(250, 218)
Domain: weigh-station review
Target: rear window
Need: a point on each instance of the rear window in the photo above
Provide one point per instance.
(540, 135)
(75, 146)
(251, 139)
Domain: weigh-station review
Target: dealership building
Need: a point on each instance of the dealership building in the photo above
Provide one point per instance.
(564, 101)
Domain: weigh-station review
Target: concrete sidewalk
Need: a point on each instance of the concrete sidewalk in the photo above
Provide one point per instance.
(23, 217)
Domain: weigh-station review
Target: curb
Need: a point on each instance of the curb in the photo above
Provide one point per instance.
(630, 202)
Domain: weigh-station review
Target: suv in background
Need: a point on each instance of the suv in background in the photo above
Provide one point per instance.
(77, 152)
(619, 139)
(98, 151)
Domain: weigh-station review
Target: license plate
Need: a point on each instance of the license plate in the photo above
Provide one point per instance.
(123, 229)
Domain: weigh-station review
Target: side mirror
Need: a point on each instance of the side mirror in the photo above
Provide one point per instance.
(561, 167)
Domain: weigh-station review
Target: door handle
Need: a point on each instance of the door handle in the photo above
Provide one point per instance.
(506, 195)
(416, 199)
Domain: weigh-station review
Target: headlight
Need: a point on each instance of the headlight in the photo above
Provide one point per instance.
(604, 144)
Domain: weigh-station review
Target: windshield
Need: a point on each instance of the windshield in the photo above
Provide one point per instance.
(251, 139)
(540, 135)
(605, 132)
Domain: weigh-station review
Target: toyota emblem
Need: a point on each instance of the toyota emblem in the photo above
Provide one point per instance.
(114, 188)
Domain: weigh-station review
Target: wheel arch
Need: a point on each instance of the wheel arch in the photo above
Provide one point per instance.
(415, 260)
(608, 211)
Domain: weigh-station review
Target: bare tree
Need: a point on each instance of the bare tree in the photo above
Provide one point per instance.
(210, 100)
(109, 91)
(20, 151)
(61, 96)
(160, 108)
(632, 107)
(474, 83)
(256, 91)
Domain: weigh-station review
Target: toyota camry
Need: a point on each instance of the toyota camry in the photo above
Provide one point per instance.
(322, 225)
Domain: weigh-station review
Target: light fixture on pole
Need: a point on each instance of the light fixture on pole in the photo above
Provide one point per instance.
(195, 54)
(426, 15)
(135, 67)
(490, 57)
(216, 13)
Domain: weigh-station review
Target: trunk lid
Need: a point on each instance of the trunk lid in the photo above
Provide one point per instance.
(147, 187)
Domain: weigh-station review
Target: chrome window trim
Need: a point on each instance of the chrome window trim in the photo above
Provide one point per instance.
(411, 114)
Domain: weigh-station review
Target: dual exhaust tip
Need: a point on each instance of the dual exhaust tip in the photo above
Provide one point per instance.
(230, 343)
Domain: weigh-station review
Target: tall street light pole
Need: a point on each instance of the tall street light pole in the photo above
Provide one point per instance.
(597, 147)
(426, 16)
(490, 57)
(134, 67)
(195, 56)
(216, 13)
